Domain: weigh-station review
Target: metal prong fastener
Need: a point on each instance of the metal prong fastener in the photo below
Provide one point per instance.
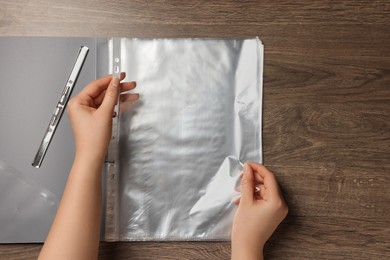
(60, 108)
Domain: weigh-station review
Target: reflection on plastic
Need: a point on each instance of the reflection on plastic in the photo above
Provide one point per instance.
(182, 146)
(26, 208)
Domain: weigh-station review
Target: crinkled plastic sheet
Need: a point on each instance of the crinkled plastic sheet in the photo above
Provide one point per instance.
(25, 207)
(183, 144)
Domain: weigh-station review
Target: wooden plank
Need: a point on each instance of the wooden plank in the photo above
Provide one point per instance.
(202, 12)
(330, 238)
(354, 134)
(326, 190)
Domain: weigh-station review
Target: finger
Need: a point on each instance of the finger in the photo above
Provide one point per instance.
(258, 177)
(128, 101)
(96, 87)
(123, 75)
(247, 184)
(111, 97)
(237, 201)
(268, 178)
(129, 97)
(260, 192)
(98, 100)
(126, 86)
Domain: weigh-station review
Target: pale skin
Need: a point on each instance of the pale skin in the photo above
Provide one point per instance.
(75, 231)
(258, 214)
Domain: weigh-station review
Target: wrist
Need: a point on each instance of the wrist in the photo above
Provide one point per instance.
(90, 154)
(247, 255)
(249, 251)
(89, 160)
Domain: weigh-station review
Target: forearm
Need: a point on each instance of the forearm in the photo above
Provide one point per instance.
(75, 230)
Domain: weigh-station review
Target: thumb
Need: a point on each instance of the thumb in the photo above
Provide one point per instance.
(111, 97)
(247, 185)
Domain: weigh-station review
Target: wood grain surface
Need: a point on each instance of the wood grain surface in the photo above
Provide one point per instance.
(326, 111)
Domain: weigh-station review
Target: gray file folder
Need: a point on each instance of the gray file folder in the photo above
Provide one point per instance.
(33, 71)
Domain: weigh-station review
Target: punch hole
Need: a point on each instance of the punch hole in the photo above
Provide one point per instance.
(116, 60)
(116, 69)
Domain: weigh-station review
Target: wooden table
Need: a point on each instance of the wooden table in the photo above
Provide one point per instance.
(326, 110)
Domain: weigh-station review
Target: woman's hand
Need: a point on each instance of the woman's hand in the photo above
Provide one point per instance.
(91, 113)
(261, 209)
(75, 231)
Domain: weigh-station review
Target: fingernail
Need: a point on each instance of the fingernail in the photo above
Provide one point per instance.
(245, 168)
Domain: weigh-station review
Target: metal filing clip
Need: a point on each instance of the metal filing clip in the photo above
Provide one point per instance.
(60, 108)
(112, 162)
